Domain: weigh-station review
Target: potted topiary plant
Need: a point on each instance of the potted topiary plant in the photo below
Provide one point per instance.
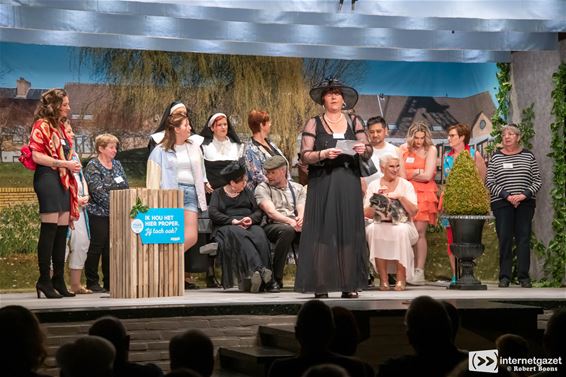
(466, 206)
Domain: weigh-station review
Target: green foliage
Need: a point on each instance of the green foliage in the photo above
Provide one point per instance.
(134, 162)
(501, 115)
(465, 193)
(14, 174)
(143, 83)
(555, 254)
(137, 208)
(19, 229)
(499, 118)
(527, 126)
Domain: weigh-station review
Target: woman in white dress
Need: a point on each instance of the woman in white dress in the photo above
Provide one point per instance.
(390, 245)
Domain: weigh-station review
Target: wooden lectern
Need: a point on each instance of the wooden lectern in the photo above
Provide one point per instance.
(137, 270)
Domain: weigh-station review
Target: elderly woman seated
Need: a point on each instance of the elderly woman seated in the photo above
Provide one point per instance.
(243, 247)
(389, 204)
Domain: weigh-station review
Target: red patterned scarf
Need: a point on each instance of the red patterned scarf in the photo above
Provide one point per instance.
(47, 140)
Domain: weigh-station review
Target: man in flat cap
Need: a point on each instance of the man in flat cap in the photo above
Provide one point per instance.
(283, 202)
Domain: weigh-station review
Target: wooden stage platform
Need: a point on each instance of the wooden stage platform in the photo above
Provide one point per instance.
(249, 330)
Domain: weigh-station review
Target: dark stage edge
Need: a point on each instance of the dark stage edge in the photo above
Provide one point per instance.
(213, 302)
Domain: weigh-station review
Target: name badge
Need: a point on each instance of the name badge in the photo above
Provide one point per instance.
(508, 165)
(410, 160)
(118, 179)
(63, 142)
(337, 136)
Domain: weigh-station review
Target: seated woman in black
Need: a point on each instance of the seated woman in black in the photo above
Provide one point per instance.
(243, 248)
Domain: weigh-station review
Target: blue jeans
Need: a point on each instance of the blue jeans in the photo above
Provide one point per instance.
(190, 201)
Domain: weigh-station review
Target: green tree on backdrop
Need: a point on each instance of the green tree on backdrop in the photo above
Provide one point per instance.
(142, 83)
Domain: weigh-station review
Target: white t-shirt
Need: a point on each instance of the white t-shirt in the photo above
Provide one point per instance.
(388, 148)
(184, 171)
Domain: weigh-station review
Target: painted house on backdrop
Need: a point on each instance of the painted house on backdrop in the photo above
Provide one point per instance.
(440, 112)
(17, 106)
(88, 101)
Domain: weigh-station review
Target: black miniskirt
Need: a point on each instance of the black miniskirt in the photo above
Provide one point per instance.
(51, 194)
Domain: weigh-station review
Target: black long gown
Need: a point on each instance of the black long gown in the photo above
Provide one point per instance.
(333, 249)
(240, 251)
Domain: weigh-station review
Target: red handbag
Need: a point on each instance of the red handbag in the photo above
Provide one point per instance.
(26, 159)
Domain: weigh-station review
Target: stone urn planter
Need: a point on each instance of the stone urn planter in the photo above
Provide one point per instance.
(466, 206)
(466, 247)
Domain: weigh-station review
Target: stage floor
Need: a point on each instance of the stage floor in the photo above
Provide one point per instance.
(219, 298)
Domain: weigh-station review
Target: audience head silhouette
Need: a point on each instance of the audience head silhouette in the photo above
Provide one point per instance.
(454, 318)
(347, 334)
(315, 326)
(22, 349)
(511, 345)
(554, 335)
(428, 325)
(88, 356)
(112, 329)
(183, 372)
(193, 350)
(326, 370)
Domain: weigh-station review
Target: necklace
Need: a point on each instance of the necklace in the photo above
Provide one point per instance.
(328, 120)
(230, 193)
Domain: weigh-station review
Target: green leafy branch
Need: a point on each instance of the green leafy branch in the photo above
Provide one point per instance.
(555, 253)
(139, 207)
(499, 118)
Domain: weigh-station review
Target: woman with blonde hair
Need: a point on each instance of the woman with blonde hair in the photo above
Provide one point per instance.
(103, 174)
(419, 155)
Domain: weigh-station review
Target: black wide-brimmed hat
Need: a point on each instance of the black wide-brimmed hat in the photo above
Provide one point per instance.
(234, 170)
(349, 94)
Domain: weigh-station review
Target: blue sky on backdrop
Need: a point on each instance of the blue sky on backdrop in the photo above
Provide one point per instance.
(53, 66)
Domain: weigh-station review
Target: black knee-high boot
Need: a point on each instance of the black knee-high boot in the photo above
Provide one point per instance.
(47, 234)
(59, 246)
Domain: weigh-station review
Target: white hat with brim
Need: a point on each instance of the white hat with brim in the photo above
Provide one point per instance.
(349, 94)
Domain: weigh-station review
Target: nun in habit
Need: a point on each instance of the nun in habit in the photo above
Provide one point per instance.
(221, 146)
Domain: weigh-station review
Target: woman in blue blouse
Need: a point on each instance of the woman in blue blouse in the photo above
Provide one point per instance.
(259, 148)
(102, 174)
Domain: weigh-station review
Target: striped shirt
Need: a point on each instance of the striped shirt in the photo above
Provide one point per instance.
(512, 175)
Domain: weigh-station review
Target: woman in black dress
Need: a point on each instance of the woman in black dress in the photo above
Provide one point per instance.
(333, 250)
(56, 189)
(243, 248)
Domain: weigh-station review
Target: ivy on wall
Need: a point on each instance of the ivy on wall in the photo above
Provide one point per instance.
(527, 126)
(501, 115)
(555, 253)
(499, 118)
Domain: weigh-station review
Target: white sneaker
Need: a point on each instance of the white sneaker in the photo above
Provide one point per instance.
(418, 277)
(256, 282)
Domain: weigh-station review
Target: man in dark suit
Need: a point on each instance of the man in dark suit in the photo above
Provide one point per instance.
(314, 331)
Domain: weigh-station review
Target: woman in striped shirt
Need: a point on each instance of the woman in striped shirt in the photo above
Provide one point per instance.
(513, 179)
